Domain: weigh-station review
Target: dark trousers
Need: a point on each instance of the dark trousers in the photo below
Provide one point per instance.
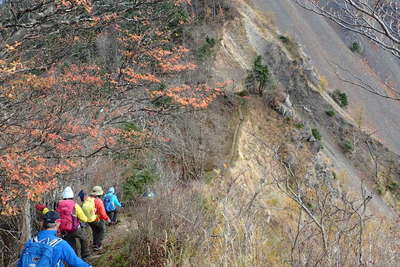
(112, 215)
(79, 234)
(98, 229)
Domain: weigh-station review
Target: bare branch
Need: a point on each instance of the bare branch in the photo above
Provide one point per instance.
(378, 21)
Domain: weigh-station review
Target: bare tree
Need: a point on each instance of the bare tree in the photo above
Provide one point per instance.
(330, 227)
(377, 20)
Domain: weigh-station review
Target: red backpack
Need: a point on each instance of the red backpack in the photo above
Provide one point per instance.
(69, 222)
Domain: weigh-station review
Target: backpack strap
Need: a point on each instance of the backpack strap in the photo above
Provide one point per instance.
(36, 240)
(54, 242)
(47, 241)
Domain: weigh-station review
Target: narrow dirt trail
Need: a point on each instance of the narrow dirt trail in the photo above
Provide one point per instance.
(321, 42)
(238, 128)
(113, 234)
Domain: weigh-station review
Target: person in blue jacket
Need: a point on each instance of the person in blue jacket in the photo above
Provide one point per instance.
(55, 252)
(111, 204)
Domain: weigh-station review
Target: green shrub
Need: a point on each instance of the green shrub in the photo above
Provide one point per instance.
(261, 71)
(344, 102)
(316, 134)
(291, 46)
(163, 101)
(340, 98)
(284, 39)
(206, 49)
(392, 186)
(356, 47)
(130, 126)
(161, 87)
(380, 191)
(330, 113)
(242, 93)
(299, 125)
(259, 76)
(138, 181)
(348, 146)
(174, 16)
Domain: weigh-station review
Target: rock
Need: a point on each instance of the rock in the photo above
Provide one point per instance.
(285, 111)
(288, 103)
(268, 220)
(296, 137)
(316, 146)
(311, 138)
(320, 164)
(308, 67)
(286, 108)
(312, 76)
(307, 109)
(290, 161)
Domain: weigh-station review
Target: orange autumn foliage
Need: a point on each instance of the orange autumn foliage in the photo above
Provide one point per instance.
(181, 2)
(87, 4)
(57, 111)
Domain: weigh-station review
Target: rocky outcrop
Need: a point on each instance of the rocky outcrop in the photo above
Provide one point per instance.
(292, 70)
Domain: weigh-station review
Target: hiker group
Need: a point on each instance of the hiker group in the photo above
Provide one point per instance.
(56, 243)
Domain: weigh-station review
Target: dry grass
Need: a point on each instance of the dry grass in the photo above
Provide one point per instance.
(234, 218)
(323, 84)
(239, 217)
(203, 226)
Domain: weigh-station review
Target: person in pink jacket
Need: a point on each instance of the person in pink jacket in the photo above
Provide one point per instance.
(71, 217)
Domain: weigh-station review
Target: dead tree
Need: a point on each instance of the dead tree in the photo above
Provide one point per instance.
(376, 20)
(330, 227)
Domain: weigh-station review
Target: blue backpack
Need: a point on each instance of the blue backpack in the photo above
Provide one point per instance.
(108, 203)
(39, 253)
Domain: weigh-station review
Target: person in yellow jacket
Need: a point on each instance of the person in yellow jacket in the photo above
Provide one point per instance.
(94, 209)
(71, 216)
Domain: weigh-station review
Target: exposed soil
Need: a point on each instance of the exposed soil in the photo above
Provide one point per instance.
(327, 46)
(253, 36)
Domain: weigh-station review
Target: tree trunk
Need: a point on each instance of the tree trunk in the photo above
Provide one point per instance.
(27, 223)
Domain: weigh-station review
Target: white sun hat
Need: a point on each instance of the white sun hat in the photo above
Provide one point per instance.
(68, 193)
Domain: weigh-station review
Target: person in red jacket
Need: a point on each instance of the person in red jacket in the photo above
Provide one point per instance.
(98, 225)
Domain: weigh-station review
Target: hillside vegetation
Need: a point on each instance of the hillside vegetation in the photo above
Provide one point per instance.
(209, 107)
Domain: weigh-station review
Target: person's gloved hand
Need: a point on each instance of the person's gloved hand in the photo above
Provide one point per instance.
(123, 205)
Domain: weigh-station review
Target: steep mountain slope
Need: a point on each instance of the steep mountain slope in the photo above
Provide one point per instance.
(267, 171)
(327, 48)
(240, 45)
(281, 197)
